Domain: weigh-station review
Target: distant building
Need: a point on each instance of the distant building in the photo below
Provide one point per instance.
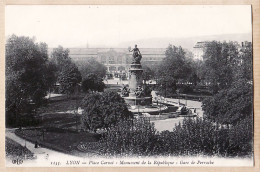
(245, 44)
(117, 60)
(198, 50)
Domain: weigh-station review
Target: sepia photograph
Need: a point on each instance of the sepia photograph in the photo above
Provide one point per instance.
(129, 86)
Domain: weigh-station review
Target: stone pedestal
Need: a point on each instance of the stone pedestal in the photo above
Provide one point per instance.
(135, 81)
(135, 78)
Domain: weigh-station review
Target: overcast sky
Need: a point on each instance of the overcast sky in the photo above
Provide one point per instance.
(72, 26)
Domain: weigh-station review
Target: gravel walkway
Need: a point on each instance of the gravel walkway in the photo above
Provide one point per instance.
(169, 124)
(44, 155)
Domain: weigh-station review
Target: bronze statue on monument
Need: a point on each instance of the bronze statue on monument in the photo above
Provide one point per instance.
(137, 56)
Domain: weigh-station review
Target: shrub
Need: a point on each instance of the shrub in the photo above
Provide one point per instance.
(101, 110)
(185, 89)
(93, 82)
(134, 137)
(229, 106)
(192, 137)
(200, 136)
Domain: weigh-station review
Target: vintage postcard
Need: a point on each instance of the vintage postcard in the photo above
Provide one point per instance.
(129, 86)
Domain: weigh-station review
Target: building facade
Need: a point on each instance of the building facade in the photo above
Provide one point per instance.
(117, 60)
(199, 48)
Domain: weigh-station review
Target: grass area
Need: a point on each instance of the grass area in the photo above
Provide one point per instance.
(59, 120)
(59, 125)
(59, 112)
(58, 139)
(15, 151)
(61, 104)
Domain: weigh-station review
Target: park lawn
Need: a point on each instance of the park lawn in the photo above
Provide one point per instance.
(59, 112)
(59, 120)
(63, 104)
(14, 150)
(60, 140)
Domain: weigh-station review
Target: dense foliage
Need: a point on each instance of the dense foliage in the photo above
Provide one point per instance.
(220, 60)
(27, 76)
(101, 110)
(148, 73)
(14, 150)
(134, 137)
(231, 105)
(91, 66)
(173, 68)
(60, 57)
(67, 73)
(233, 98)
(68, 78)
(92, 82)
(192, 137)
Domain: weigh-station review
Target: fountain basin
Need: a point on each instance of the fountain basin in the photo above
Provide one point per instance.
(138, 101)
(152, 111)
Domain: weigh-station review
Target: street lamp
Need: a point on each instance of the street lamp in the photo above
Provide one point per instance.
(165, 88)
(160, 105)
(178, 94)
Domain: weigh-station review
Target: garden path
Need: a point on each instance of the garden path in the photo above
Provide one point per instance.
(40, 152)
(168, 124)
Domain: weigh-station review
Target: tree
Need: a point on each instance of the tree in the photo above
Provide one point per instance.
(69, 78)
(67, 73)
(92, 82)
(233, 102)
(60, 57)
(148, 73)
(101, 110)
(220, 60)
(91, 66)
(172, 69)
(26, 82)
(231, 105)
(51, 75)
(245, 64)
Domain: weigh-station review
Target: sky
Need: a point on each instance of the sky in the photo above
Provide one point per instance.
(108, 26)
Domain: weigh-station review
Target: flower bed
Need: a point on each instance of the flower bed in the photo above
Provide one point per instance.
(14, 150)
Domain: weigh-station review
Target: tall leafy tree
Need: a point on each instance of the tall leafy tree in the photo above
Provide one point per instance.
(51, 74)
(69, 78)
(233, 101)
(148, 73)
(67, 75)
(173, 68)
(245, 63)
(60, 57)
(219, 61)
(26, 81)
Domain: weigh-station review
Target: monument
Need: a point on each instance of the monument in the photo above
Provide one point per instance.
(136, 94)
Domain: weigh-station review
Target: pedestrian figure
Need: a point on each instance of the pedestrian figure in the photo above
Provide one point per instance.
(36, 145)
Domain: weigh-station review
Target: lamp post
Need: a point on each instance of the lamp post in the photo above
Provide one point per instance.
(138, 108)
(178, 94)
(165, 88)
(160, 105)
